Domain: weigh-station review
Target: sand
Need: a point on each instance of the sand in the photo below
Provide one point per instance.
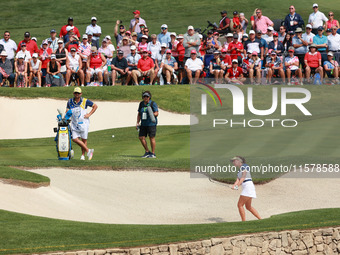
(36, 118)
(144, 197)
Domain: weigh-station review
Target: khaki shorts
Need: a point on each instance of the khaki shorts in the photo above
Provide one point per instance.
(95, 71)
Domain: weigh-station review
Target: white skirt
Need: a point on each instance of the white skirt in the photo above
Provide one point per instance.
(248, 189)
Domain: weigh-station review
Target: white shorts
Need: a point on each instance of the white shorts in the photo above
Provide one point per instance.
(81, 134)
(93, 71)
(63, 69)
(248, 189)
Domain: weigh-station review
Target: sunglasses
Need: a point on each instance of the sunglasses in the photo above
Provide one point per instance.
(330, 14)
(258, 12)
(291, 8)
(193, 53)
(146, 30)
(76, 93)
(168, 53)
(145, 96)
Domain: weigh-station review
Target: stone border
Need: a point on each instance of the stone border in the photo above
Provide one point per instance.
(295, 242)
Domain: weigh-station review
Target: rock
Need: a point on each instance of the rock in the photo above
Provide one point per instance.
(318, 240)
(317, 232)
(82, 253)
(206, 243)
(90, 252)
(295, 234)
(173, 249)
(182, 246)
(247, 241)
(302, 245)
(294, 246)
(312, 251)
(251, 250)
(290, 240)
(217, 250)
(328, 250)
(162, 248)
(243, 246)
(300, 252)
(272, 245)
(278, 243)
(273, 235)
(227, 244)
(308, 240)
(154, 250)
(265, 246)
(145, 250)
(135, 251)
(256, 241)
(338, 247)
(99, 252)
(72, 253)
(195, 245)
(216, 241)
(284, 240)
(327, 232)
(200, 251)
(328, 239)
(336, 235)
(236, 251)
(266, 253)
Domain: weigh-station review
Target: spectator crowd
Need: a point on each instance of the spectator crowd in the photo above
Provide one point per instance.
(292, 51)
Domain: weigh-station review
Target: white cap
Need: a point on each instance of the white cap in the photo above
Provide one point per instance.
(200, 36)
(3, 53)
(270, 28)
(20, 55)
(164, 45)
(85, 36)
(190, 27)
(35, 55)
(234, 61)
(251, 32)
(164, 25)
(133, 47)
(229, 35)
(180, 37)
(53, 56)
(145, 36)
(68, 28)
(315, 5)
(60, 41)
(241, 14)
(108, 37)
(330, 54)
(309, 26)
(93, 18)
(34, 38)
(173, 33)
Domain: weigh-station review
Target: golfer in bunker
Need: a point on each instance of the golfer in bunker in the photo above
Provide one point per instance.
(248, 188)
(80, 121)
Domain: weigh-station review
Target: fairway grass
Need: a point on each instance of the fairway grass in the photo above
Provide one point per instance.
(22, 233)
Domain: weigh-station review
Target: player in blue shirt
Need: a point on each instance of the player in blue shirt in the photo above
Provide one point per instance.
(80, 121)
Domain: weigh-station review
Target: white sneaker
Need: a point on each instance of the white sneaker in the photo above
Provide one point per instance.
(90, 154)
(82, 157)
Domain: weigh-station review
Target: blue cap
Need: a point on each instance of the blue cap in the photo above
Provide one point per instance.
(320, 28)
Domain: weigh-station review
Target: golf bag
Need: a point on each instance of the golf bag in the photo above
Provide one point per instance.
(63, 137)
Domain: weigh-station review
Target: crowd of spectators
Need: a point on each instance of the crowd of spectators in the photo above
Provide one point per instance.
(232, 51)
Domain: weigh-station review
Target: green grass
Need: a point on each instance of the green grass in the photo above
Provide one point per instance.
(16, 174)
(22, 233)
(40, 17)
(175, 98)
(122, 151)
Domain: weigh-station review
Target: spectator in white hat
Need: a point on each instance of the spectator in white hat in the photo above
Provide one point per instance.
(143, 45)
(132, 60)
(308, 35)
(109, 44)
(269, 35)
(316, 19)
(105, 51)
(146, 32)
(35, 70)
(191, 42)
(154, 46)
(96, 31)
(6, 69)
(164, 36)
(173, 44)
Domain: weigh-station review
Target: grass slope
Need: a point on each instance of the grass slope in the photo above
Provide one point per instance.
(122, 151)
(39, 17)
(30, 234)
(16, 174)
(173, 98)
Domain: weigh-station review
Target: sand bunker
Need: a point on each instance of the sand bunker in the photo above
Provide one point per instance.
(144, 197)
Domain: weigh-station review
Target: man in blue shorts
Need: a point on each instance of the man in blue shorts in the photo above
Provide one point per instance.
(80, 121)
(147, 124)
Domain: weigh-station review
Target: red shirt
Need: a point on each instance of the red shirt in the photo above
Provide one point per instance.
(72, 46)
(236, 21)
(202, 52)
(227, 60)
(63, 31)
(145, 64)
(233, 73)
(181, 52)
(45, 58)
(233, 46)
(96, 61)
(313, 60)
(31, 46)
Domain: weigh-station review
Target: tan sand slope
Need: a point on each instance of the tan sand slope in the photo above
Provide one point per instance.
(36, 118)
(144, 197)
